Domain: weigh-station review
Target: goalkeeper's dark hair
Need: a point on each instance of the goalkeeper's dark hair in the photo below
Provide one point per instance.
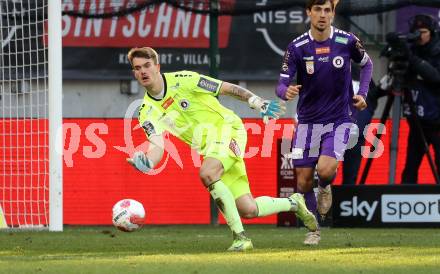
(144, 52)
(311, 3)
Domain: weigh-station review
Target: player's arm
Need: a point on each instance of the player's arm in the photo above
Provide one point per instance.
(144, 162)
(285, 90)
(236, 91)
(148, 119)
(269, 109)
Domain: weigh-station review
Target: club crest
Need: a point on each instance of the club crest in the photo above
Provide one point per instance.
(338, 62)
(184, 104)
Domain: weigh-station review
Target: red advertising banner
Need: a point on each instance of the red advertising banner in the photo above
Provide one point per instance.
(160, 26)
(96, 174)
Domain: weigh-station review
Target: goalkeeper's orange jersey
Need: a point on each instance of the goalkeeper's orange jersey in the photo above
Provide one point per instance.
(189, 110)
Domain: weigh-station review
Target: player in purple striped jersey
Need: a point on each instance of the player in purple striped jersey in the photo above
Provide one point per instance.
(321, 60)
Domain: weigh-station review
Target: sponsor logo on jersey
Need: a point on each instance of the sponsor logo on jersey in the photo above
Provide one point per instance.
(207, 84)
(184, 104)
(323, 50)
(168, 102)
(233, 146)
(308, 58)
(338, 62)
(148, 128)
(310, 68)
(341, 40)
(324, 59)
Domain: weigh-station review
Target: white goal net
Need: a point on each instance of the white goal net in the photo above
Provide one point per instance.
(24, 111)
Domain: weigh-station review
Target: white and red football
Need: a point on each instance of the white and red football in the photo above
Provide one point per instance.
(128, 215)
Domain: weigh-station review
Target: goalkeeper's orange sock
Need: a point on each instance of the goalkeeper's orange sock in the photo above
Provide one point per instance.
(226, 204)
(269, 205)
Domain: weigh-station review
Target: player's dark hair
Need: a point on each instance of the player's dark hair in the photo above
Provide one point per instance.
(311, 3)
(144, 52)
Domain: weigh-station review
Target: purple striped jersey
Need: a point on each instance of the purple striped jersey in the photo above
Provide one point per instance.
(324, 71)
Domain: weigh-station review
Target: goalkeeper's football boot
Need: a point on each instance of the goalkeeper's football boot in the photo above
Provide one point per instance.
(312, 238)
(307, 217)
(324, 200)
(241, 243)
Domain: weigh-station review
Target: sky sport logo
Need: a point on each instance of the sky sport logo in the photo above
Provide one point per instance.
(358, 208)
(411, 208)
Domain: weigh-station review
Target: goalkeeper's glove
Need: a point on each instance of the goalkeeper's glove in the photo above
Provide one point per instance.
(141, 162)
(269, 109)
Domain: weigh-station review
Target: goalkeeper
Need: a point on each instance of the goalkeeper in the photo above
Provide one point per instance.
(184, 103)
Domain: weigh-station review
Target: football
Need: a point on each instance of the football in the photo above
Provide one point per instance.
(128, 215)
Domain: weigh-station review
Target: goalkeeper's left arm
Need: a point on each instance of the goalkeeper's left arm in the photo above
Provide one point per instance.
(269, 109)
(144, 162)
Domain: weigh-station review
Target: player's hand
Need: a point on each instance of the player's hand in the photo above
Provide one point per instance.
(359, 102)
(292, 91)
(272, 109)
(140, 162)
(269, 109)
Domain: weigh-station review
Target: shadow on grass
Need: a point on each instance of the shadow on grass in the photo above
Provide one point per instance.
(202, 239)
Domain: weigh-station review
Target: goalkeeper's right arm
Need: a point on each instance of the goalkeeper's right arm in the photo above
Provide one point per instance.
(144, 162)
(269, 109)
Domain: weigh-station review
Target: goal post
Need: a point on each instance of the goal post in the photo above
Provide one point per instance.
(31, 178)
(55, 117)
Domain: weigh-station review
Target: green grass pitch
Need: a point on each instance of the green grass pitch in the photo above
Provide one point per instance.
(200, 249)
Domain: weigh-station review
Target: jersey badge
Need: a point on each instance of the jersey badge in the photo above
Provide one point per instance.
(184, 104)
(168, 102)
(323, 50)
(341, 40)
(310, 68)
(233, 146)
(338, 62)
